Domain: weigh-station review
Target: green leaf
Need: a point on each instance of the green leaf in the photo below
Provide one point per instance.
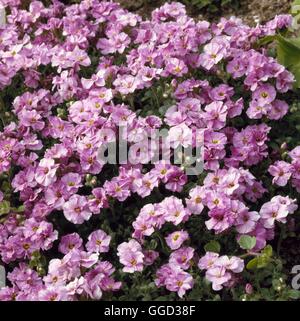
(262, 261)
(247, 242)
(153, 244)
(287, 51)
(268, 251)
(213, 246)
(288, 54)
(294, 294)
(266, 40)
(252, 264)
(4, 207)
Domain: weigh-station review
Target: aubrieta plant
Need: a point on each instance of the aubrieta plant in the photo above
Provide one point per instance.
(74, 228)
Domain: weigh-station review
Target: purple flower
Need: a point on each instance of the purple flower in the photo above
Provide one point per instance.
(131, 256)
(213, 53)
(98, 241)
(176, 239)
(182, 257)
(281, 171)
(264, 95)
(180, 282)
(174, 210)
(45, 173)
(76, 209)
(69, 242)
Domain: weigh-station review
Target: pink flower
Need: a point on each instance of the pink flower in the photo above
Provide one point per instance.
(150, 256)
(195, 202)
(31, 118)
(215, 115)
(246, 221)
(278, 109)
(176, 239)
(126, 84)
(53, 294)
(208, 260)
(264, 95)
(176, 179)
(55, 195)
(179, 282)
(218, 276)
(76, 209)
(213, 54)
(176, 67)
(72, 182)
(271, 212)
(182, 257)
(220, 220)
(98, 241)
(45, 173)
(234, 264)
(69, 242)
(281, 171)
(98, 201)
(117, 189)
(221, 92)
(180, 135)
(117, 42)
(174, 210)
(146, 184)
(257, 111)
(131, 256)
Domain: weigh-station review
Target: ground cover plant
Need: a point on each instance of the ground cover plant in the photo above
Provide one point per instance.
(73, 227)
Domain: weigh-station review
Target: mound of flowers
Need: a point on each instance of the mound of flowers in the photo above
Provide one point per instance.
(76, 228)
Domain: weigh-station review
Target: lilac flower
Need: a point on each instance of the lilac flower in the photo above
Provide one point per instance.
(271, 212)
(281, 171)
(150, 256)
(76, 209)
(46, 172)
(49, 152)
(179, 282)
(72, 181)
(213, 54)
(208, 260)
(182, 257)
(220, 220)
(195, 202)
(176, 67)
(174, 210)
(98, 242)
(215, 115)
(218, 276)
(69, 242)
(174, 279)
(131, 256)
(176, 239)
(265, 95)
(246, 221)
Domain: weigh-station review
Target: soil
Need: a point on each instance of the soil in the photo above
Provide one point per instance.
(250, 11)
(253, 11)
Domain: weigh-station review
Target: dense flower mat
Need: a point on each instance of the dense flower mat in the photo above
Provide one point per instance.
(74, 228)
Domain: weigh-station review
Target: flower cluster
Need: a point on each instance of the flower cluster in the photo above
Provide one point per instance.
(220, 270)
(78, 274)
(82, 72)
(283, 171)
